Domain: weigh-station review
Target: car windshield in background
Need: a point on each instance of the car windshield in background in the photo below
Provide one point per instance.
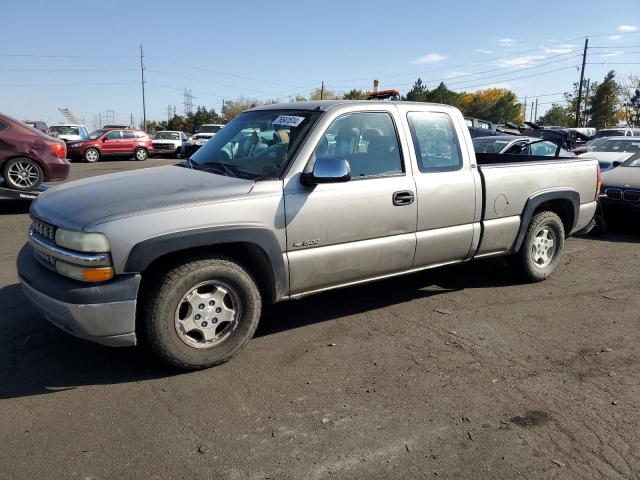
(609, 133)
(489, 145)
(209, 129)
(65, 130)
(256, 144)
(95, 134)
(633, 161)
(619, 146)
(167, 136)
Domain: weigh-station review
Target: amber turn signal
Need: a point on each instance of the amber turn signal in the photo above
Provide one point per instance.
(97, 274)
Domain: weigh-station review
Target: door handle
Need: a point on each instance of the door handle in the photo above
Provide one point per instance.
(404, 197)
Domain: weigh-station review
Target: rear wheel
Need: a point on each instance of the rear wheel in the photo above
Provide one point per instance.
(141, 154)
(91, 155)
(201, 312)
(542, 247)
(22, 174)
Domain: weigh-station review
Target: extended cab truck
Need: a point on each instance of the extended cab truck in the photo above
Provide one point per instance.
(324, 195)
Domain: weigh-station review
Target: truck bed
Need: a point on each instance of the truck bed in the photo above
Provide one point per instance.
(510, 181)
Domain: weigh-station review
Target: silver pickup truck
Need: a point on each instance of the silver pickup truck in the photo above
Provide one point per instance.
(285, 201)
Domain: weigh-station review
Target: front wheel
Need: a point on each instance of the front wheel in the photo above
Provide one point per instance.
(91, 155)
(201, 311)
(22, 174)
(140, 154)
(542, 247)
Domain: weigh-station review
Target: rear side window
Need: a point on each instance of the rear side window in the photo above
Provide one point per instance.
(368, 141)
(128, 134)
(3, 126)
(435, 142)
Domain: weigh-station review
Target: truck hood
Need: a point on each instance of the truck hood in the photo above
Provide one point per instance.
(78, 204)
(625, 177)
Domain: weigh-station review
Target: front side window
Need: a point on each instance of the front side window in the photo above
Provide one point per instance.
(368, 141)
(435, 142)
(113, 135)
(256, 145)
(128, 134)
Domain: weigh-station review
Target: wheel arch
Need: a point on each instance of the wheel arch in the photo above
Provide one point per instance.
(565, 203)
(255, 248)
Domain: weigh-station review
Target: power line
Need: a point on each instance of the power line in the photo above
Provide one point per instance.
(226, 85)
(64, 56)
(68, 84)
(67, 69)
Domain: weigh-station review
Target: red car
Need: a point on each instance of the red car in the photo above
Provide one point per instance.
(112, 143)
(28, 157)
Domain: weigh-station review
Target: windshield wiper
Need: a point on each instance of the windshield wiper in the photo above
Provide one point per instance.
(224, 167)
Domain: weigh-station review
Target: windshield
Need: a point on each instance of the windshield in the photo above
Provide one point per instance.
(633, 161)
(95, 134)
(489, 145)
(167, 136)
(65, 130)
(256, 144)
(209, 129)
(609, 133)
(618, 146)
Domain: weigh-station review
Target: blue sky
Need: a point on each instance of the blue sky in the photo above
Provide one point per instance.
(84, 54)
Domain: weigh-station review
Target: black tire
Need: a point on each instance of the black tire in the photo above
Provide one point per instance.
(22, 174)
(91, 155)
(163, 298)
(535, 260)
(140, 154)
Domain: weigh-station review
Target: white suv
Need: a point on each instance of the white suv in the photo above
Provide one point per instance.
(69, 132)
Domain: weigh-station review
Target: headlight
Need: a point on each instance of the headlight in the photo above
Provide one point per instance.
(82, 241)
(75, 145)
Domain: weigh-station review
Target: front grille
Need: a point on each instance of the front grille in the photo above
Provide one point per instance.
(47, 260)
(613, 193)
(631, 196)
(163, 146)
(43, 229)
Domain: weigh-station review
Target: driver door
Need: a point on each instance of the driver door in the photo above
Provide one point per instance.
(340, 233)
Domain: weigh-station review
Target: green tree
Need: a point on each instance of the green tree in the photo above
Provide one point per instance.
(355, 94)
(630, 100)
(604, 103)
(441, 94)
(417, 93)
(556, 115)
(233, 108)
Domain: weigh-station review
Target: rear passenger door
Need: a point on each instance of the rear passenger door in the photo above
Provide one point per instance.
(447, 189)
(129, 141)
(339, 233)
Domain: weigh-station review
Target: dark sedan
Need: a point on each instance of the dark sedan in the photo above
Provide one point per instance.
(29, 157)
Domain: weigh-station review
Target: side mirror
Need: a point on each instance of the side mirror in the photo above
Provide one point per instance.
(327, 170)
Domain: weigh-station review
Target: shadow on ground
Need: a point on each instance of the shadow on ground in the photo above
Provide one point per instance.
(36, 358)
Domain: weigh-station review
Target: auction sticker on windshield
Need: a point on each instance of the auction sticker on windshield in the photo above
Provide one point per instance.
(288, 120)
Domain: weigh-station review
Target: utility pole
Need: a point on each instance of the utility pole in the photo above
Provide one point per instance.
(584, 59)
(131, 119)
(322, 90)
(531, 114)
(169, 110)
(586, 101)
(535, 115)
(525, 109)
(144, 106)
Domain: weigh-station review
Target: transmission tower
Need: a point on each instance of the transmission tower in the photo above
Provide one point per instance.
(188, 101)
(170, 110)
(109, 117)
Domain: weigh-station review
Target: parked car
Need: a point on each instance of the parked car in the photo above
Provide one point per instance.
(613, 151)
(169, 143)
(618, 132)
(589, 146)
(69, 132)
(29, 157)
(322, 195)
(203, 135)
(621, 187)
(38, 125)
(520, 145)
(112, 143)
(564, 138)
(118, 126)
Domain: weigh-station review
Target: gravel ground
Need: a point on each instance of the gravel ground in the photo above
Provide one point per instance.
(454, 373)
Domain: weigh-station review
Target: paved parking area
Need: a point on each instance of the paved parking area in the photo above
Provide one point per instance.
(453, 373)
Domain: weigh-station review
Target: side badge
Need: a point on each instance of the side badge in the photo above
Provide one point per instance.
(307, 243)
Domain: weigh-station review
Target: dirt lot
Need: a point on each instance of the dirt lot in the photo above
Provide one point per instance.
(454, 373)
